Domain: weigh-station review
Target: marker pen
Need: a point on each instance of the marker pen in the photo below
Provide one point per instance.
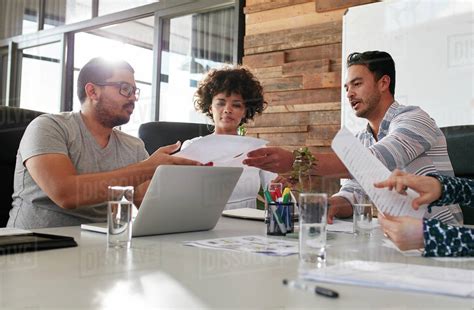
(318, 289)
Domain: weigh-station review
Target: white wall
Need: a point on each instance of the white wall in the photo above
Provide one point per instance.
(432, 43)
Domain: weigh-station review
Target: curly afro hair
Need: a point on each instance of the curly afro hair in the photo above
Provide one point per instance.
(230, 80)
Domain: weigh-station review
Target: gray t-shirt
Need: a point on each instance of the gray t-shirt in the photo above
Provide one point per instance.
(66, 134)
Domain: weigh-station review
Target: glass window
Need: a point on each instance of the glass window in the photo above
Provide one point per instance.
(3, 74)
(131, 41)
(30, 16)
(18, 17)
(193, 45)
(41, 78)
(60, 12)
(111, 6)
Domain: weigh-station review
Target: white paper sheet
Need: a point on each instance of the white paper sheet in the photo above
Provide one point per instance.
(367, 170)
(252, 244)
(417, 278)
(345, 226)
(222, 150)
(245, 213)
(340, 226)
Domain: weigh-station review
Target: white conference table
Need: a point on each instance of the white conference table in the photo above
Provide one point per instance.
(160, 272)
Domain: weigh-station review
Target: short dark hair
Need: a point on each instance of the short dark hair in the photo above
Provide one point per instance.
(229, 80)
(379, 63)
(98, 70)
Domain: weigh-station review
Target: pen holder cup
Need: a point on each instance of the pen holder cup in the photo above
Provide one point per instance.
(279, 218)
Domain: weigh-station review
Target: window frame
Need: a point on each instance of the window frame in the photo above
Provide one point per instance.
(162, 11)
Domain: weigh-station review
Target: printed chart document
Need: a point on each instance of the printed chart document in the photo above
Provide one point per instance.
(222, 150)
(249, 244)
(367, 170)
(416, 278)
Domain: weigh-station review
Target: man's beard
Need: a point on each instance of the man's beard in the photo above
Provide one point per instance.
(108, 119)
(370, 105)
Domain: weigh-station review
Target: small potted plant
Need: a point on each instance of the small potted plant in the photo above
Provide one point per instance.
(304, 164)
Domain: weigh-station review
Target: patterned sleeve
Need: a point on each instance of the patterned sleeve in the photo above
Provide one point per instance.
(348, 188)
(447, 240)
(454, 190)
(411, 134)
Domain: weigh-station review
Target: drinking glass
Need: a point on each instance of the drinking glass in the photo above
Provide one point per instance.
(119, 216)
(312, 222)
(362, 214)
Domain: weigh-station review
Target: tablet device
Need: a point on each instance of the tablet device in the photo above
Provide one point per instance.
(28, 242)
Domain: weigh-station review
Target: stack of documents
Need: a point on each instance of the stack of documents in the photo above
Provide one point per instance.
(416, 278)
(249, 244)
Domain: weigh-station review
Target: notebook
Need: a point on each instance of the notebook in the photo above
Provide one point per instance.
(181, 199)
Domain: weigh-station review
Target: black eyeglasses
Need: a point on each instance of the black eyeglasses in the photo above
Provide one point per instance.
(125, 89)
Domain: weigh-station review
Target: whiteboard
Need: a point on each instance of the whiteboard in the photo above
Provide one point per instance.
(432, 44)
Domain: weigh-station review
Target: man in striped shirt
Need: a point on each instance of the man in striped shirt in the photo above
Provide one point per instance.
(403, 137)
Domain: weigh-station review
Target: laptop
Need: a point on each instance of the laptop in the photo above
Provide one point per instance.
(181, 199)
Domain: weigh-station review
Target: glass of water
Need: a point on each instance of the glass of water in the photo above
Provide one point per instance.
(362, 214)
(119, 216)
(312, 235)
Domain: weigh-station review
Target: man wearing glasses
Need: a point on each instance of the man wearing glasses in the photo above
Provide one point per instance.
(66, 161)
(403, 137)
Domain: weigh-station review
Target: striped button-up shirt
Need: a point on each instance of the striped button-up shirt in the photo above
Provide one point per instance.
(409, 140)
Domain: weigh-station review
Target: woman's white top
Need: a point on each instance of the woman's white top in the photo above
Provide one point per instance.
(246, 191)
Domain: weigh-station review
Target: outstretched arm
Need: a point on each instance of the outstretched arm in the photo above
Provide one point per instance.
(279, 160)
(56, 176)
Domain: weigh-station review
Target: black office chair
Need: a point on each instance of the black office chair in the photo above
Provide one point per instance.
(13, 122)
(158, 134)
(460, 140)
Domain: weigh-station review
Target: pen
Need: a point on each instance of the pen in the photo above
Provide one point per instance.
(278, 192)
(293, 197)
(286, 195)
(318, 289)
(268, 196)
(278, 219)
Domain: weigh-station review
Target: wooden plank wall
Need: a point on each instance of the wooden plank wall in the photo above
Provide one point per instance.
(294, 48)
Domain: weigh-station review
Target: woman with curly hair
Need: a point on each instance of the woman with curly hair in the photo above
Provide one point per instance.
(231, 96)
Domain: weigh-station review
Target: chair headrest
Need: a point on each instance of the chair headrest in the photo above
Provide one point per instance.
(460, 140)
(13, 122)
(158, 134)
